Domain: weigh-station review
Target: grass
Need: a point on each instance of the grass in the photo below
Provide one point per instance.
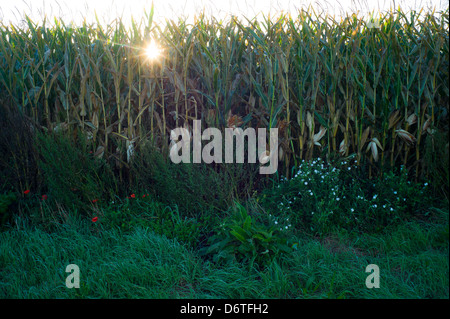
(141, 245)
(137, 246)
(413, 263)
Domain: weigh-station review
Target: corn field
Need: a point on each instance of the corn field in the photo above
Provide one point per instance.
(376, 90)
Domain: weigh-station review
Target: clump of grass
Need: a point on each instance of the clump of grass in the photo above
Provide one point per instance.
(193, 188)
(436, 162)
(141, 264)
(116, 274)
(19, 161)
(146, 212)
(73, 177)
(6, 211)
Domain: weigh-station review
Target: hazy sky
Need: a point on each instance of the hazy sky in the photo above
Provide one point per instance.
(107, 10)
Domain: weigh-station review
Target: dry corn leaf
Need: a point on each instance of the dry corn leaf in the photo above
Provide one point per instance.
(377, 142)
(335, 124)
(123, 136)
(370, 114)
(426, 125)
(343, 147)
(159, 122)
(394, 118)
(406, 136)
(411, 119)
(99, 152)
(364, 137)
(319, 135)
(280, 153)
(60, 127)
(373, 147)
(330, 104)
(235, 121)
(264, 157)
(130, 150)
(251, 101)
(282, 124)
(309, 121)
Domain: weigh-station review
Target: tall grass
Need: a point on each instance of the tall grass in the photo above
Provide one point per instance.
(413, 263)
(377, 89)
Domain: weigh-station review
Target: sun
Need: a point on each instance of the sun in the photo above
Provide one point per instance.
(152, 51)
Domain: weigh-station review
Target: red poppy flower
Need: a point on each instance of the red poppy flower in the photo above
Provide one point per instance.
(94, 200)
(94, 219)
(26, 192)
(132, 196)
(44, 197)
(143, 196)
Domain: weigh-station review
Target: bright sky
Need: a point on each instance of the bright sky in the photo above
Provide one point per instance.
(108, 10)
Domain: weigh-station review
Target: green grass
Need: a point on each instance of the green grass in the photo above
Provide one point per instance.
(143, 247)
(413, 261)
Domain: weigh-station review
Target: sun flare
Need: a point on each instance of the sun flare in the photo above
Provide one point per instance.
(152, 51)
